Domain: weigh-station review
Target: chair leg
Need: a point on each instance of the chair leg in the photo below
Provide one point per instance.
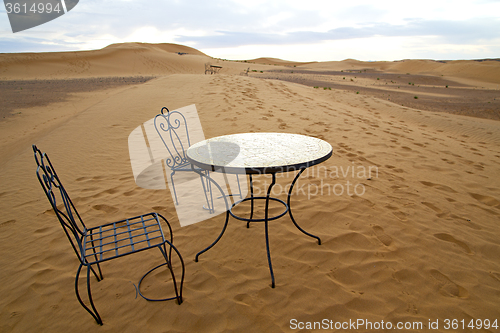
(94, 313)
(98, 277)
(239, 186)
(168, 263)
(170, 233)
(168, 258)
(173, 186)
(208, 188)
(209, 185)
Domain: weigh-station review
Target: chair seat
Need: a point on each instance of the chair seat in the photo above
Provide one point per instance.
(123, 237)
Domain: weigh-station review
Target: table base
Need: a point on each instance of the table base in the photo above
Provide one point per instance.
(248, 220)
(266, 219)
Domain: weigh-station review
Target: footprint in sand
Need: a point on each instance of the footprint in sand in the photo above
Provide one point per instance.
(439, 212)
(105, 193)
(451, 239)
(105, 208)
(50, 211)
(467, 222)
(439, 187)
(129, 193)
(447, 161)
(80, 179)
(393, 168)
(282, 124)
(495, 275)
(448, 287)
(381, 235)
(363, 201)
(7, 223)
(243, 299)
(399, 214)
(487, 200)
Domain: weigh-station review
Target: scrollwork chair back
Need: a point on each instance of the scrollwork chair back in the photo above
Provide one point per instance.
(173, 131)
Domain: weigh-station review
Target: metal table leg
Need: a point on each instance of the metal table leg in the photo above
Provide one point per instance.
(227, 213)
(266, 222)
(290, 208)
(251, 201)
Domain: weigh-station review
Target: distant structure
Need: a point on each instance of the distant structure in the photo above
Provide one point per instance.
(245, 72)
(211, 69)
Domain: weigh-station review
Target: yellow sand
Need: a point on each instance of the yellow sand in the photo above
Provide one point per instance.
(421, 243)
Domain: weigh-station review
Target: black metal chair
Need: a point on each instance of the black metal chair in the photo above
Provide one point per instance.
(172, 128)
(108, 241)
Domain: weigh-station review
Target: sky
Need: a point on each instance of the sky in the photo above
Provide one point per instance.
(305, 30)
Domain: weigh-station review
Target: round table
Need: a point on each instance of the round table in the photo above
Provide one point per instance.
(259, 153)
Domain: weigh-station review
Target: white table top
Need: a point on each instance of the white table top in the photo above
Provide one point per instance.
(259, 152)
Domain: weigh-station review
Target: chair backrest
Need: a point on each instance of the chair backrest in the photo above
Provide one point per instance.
(60, 201)
(172, 128)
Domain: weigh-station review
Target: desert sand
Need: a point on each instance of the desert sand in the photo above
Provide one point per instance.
(419, 244)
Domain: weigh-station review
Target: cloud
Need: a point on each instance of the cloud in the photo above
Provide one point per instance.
(451, 32)
(226, 24)
(26, 45)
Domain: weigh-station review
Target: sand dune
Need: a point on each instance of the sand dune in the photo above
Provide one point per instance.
(118, 59)
(485, 71)
(419, 244)
(158, 59)
(167, 47)
(278, 62)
